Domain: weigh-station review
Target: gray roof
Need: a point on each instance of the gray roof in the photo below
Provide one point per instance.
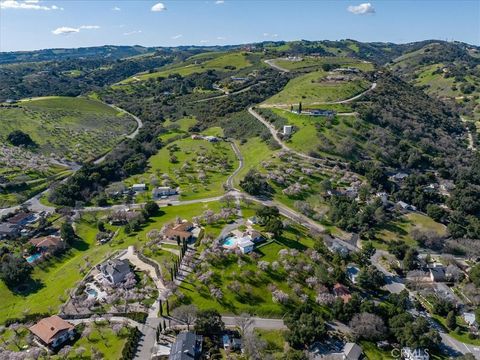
(187, 346)
(438, 273)
(7, 228)
(116, 268)
(352, 351)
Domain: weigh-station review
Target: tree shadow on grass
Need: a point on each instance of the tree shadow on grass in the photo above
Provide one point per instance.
(395, 227)
(79, 244)
(31, 286)
(292, 244)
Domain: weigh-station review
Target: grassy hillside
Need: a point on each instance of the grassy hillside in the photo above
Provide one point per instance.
(316, 87)
(198, 64)
(315, 63)
(72, 128)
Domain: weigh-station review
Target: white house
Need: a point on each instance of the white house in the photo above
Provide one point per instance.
(352, 273)
(245, 245)
(139, 187)
(287, 129)
(160, 191)
(470, 319)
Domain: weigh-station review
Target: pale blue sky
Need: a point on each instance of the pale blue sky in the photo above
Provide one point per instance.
(38, 24)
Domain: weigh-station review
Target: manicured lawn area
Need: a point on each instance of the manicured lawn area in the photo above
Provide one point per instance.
(200, 168)
(52, 280)
(372, 352)
(275, 340)
(313, 87)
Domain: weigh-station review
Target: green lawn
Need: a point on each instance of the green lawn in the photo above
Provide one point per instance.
(194, 159)
(313, 87)
(52, 280)
(401, 228)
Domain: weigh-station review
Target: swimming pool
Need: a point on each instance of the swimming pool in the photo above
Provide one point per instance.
(33, 258)
(92, 292)
(230, 241)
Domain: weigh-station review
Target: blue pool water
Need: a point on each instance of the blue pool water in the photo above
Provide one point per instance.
(230, 241)
(33, 257)
(92, 292)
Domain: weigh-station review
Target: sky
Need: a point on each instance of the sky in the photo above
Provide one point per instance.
(40, 24)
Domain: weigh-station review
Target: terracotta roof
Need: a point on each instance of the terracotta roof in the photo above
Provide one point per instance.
(180, 233)
(47, 241)
(184, 226)
(46, 329)
(342, 291)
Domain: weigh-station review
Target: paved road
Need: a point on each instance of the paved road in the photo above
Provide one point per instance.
(238, 154)
(258, 323)
(227, 94)
(271, 62)
(394, 283)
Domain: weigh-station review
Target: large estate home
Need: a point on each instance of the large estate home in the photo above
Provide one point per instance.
(187, 346)
(179, 232)
(53, 331)
(115, 270)
(50, 244)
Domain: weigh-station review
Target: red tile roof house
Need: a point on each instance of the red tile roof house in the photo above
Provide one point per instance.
(180, 231)
(342, 292)
(50, 244)
(53, 331)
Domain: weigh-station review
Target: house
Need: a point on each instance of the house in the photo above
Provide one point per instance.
(470, 319)
(187, 346)
(115, 271)
(352, 351)
(197, 137)
(415, 354)
(9, 231)
(245, 245)
(138, 187)
(320, 112)
(53, 331)
(437, 273)
(352, 273)
(161, 191)
(179, 232)
(231, 343)
(211, 138)
(383, 196)
(22, 218)
(287, 129)
(398, 177)
(51, 243)
(403, 206)
(342, 292)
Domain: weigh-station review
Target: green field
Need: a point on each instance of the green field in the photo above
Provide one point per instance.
(76, 129)
(198, 64)
(53, 279)
(401, 228)
(315, 63)
(200, 170)
(314, 88)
